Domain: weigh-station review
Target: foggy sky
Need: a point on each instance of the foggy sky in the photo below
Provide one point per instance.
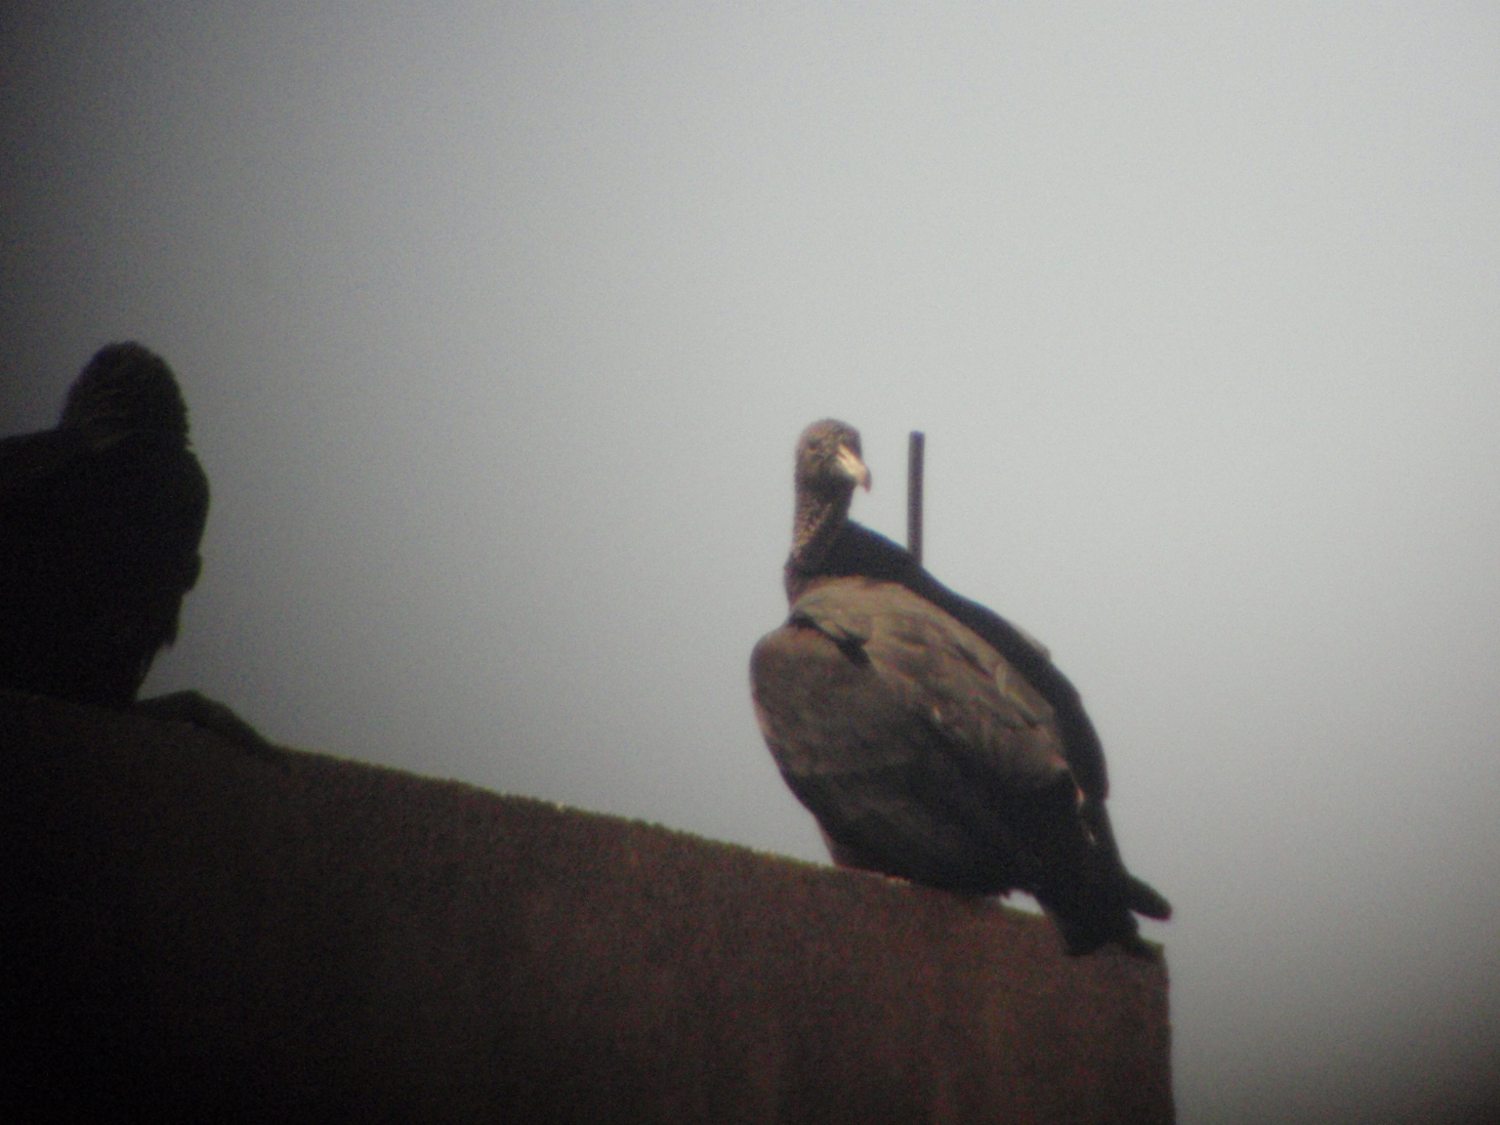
(498, 323)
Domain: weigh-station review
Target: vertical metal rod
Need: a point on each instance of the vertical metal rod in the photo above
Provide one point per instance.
(914, 450)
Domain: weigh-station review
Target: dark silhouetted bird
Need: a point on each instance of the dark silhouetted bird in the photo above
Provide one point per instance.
(100, 520)
(931, 739)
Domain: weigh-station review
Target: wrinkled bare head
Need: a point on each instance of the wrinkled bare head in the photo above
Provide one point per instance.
(829, 461)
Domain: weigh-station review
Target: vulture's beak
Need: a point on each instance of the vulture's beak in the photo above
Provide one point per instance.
(853, 467)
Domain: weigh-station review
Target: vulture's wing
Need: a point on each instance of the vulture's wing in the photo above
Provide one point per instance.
(919, 750)
(860, 551)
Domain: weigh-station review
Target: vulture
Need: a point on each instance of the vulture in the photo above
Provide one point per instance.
(931, 739)
(100, 519)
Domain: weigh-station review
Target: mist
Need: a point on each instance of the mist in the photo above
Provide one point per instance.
(498, 324)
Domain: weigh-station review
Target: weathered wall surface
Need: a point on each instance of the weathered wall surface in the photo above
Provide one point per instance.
(198, 933)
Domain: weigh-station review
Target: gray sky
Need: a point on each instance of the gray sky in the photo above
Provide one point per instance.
(498, 325)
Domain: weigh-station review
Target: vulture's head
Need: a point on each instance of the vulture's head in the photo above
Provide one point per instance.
(828, 460)
(125, 389)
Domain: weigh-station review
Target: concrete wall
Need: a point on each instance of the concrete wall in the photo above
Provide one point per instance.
(198, 933)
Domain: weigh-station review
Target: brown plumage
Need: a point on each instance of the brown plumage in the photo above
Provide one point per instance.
(931, 739)
(100, 519)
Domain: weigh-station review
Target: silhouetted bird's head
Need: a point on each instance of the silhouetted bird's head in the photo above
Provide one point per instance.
(125, 388)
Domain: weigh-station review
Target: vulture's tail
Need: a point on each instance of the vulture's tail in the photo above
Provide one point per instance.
(1098, 905)
(1145, 899)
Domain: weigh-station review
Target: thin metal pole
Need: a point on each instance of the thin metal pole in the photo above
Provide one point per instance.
(914, 450)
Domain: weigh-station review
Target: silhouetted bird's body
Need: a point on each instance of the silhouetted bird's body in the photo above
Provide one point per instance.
(931, 739)
(100, 520)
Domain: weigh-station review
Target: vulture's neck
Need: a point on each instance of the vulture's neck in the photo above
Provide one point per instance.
(815, 528)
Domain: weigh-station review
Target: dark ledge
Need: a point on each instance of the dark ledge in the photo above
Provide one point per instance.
(199, 933)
